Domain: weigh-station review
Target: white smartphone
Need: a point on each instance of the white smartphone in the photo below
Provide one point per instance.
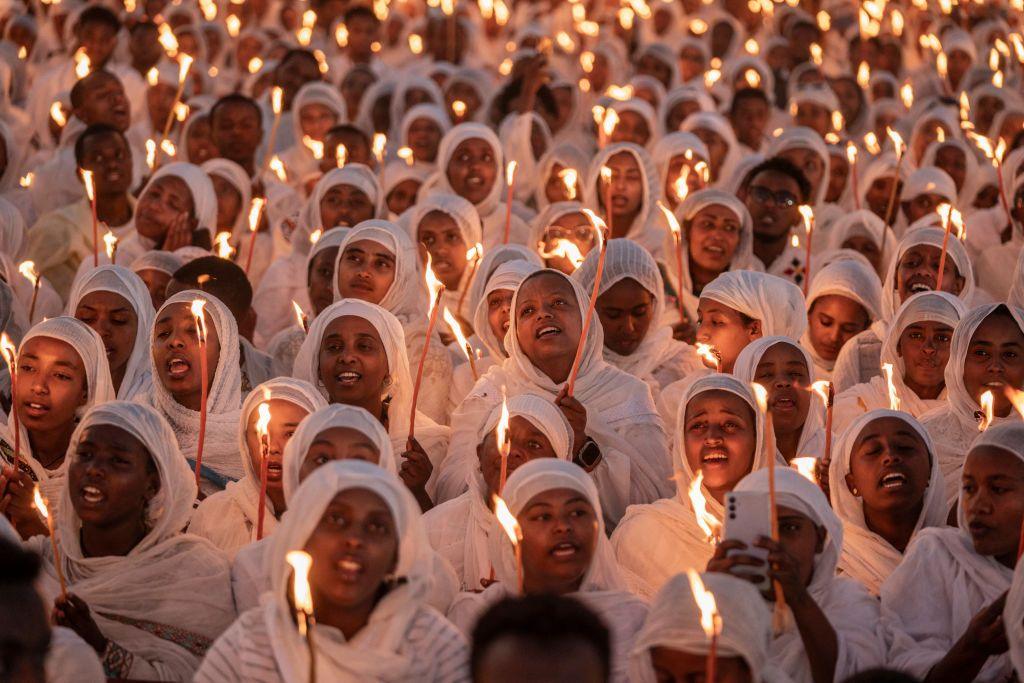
(747, 519)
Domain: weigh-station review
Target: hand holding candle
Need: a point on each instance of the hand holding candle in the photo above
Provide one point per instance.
(200, 316)
(90, 191)
(710, 621)
(302, 600)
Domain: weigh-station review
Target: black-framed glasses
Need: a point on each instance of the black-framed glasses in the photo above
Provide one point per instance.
(762, 195)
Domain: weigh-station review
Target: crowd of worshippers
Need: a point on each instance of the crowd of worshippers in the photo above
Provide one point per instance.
(512, 340)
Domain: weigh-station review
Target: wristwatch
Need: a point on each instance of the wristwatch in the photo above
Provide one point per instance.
(589, 456)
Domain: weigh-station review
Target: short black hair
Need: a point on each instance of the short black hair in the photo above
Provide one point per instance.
(78, 90)
(97, 14)
(783, 167)
(748, 94)
(360, 12)
(297, 53)
(235, 98)
(348, 129)
(881, 675)
(144, 26)
(222, 278)
(94, 131)
(541, 619)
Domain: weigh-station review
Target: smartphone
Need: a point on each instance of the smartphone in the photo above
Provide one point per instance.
(747, 519)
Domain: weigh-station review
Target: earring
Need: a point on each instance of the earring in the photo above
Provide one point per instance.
(855, 491)
(387, 381)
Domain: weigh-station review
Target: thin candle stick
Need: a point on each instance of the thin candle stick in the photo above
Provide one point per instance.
(200, 316)
(603, 245)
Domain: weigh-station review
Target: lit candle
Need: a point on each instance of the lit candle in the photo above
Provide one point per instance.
(41, 506)
(380, 143)
(950, 217)
(90, 191)
(705, 520)
(200, 316)
(709, 354)
(255, 213)
(606, 180)
(710, 621)
(473, 255)
(276, 100)
(569, 178)
(515, 534)
(761, 394)
(826, 392)
(436, 288)
(510, 180)
(562, 248)
(28, 270)
(986, 402)
(851, 156)
(302, 599)
(10, 353)
(894, 399)
(501, 435)
(223, 243)
(461, 340)
(806, 467)
(110, 241)
(301, 317)
(183, 68)
(600, 227)
(677, 239)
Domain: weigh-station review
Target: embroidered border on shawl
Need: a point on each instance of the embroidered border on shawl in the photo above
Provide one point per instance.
(117, 661)
(193, 642)
(7, 453)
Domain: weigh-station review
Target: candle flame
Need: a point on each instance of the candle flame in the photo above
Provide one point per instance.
(806, 467)
(709, 354)
(315, 236)
(302, 596)
(894, 399)
(110, 244)
(897, 141)
(569, 177)
(986, 402)
(851, 152)
(277, 166)
(233, 24)
(752, 77)
(168, 40)
(510, 173)
(255, 64)
(415, 43)
(341, 35)
(168, 147)
(28, 270)
(90, 189)
(822, 388)
(863, 75)
(9, 351)
(181, 111)
(907, 95)
(380, 142)
(705, 519)
(673, 222)
(26, 180)
(314, 146)
(816, 54)
(609, 121)
(459, 108)
(340, 155)
(150, 153)
(152, 76)
(300, 315)
(223, 244)
(255, 211)
(434, 285)
(200, 315)
(705, 599)
(563, 248)
(276, 99)
(808, 214)
(761, 396)
(507, 521)
(501, 431)
(40, 503)
(405, 154)
(871, 143)
(82, 63)
(456, 329)
(599, 226)
(183, 67)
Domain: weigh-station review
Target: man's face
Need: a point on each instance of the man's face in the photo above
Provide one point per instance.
(99, 41)
(105, 102)
(237, 131)
(773, 199)
(293, 74)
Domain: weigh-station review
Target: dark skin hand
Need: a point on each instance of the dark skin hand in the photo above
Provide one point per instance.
(985, 637)
(576, 415)
(18, 504)
(73, 613)
(534, 75)
(179, 234)
(415, 471)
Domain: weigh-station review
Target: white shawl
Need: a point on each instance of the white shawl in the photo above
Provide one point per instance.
(777, 303)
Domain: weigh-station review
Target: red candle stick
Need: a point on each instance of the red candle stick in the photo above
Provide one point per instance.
(200, 316)
(510, 180)
(263, 432)
(603, 244)
(436, 289)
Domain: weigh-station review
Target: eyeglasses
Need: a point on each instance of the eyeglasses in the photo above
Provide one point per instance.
(763, 195)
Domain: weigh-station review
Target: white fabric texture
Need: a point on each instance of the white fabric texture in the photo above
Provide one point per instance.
(852, 280)
(191, 574)
(645, 228)
(777, 303)
(867, 556)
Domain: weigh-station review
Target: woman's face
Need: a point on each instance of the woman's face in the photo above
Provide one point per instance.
(316, 119)
(472, 170)
(424, 137)
(713, 235)
(675, 666)
(156, 282)
(720, 436)
(499, 306)
(632, 127)
(555, 189)
(366, 271)
(574, 227)
(838, 174)
(801, 538)
(877, 198)
(810, 163)
(164, 201)
(691, 63)
(548, 321)
(923, 204)
(924, 347)
(440, 236)
(111, 477)
(995, 360)
(354, 546)
(918, 271)
(832, 321)
(175, 349)
(527, 443)
(51, 384)
(344, 205)
(890, 468)
(725, 329)
(321, 278)
(353, 362)
(993, 501)
(285, 417)
(403, 196)
(783, 371)
(678, 113)
(559, 538)
(229, 202)
(117, 323)
(951, 159)
(814, 117)
(866, 247)
(626, 311)
(718, 148)
(200, 145)
(627, 191)
(338, 443)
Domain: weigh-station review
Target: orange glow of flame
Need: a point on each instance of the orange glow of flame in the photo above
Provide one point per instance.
(380, 142)
(986, 402)
(507, 521)
(761, 395)
(599, 226)
(673, 222)
(501, 434)
(851, 152)
(708, 353)
(40, 504)
(223, 244)
(569, 177)
(405, 154)
(609, 121)
(168, 40)
(27, 179)
(456, 329)
(82, 63)
(863, 75)
(152, 76)
(277, 166)
(314, 146)
(459, 108)
(821, 388)
(680, 186)
(808, 216)
(434, 285)
(907, 95)
(110, 244)
(255, 64)
(340, 155)
(28, 270)
(276, 99)
(263, 421)
(806, 467)
(871, 143)
(710, 620)
(90, 189)
(897, 141)
(300, 315)
(302, 596)
(200, 315)
(510, 173)
(705, 519)
(9, 351)
(894, 399)
(183, 67)
(255, 212)
(150, 153)
(315, 236)
(563, 248)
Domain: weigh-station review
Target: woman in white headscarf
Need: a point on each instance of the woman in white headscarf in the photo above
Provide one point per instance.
(230, 518)
(470, 163)
(630, 305)
(378, 263)
(674, 625)
(109, 299)
(526, 138)
(913, 268)
(149, 599)
(155, 268)
(637, 122)
(62, 371)
(343, 197)
(459, 529)
(635, 187)
(843, 300)
(550, 185)
(942, 606)
(654, 542)
(675, 154)
(785, 369)
(177, 382)
(806, 150)
(567, 493)
(862, 231)
(612, 413)
(921, 333)
(983, 358)
(723, 148)
(384, 387)
(381, 630)
(831, 622)
(234, 194)
(421, 130)
(316, 108)
(885, 486)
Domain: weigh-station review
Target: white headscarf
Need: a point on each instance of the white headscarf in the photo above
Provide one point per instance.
(169, 579)
(565, 155)
(373, 654)
(800, 137)
(862, 223)
(931, 236)
(468, 223)
(220, 450)
(848, 278)
(204, 198)
(644, 228)
(719, 125)
(316, 92)
(777, 303)
(125, 283)
(507, 276)
(239, 179)
(675, 622)
(866, 556)
(354, 175)
(451, 140)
